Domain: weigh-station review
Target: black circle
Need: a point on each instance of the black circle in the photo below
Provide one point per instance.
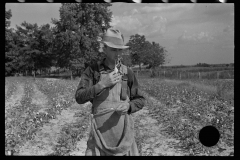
(209, 136)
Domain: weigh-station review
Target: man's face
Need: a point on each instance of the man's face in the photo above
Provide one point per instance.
(112, 53)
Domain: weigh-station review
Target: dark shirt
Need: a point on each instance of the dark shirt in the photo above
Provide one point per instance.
(89, 88)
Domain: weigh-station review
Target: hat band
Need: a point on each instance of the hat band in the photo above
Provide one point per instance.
(114, 40)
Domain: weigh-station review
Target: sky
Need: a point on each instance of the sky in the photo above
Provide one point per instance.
(191, 33)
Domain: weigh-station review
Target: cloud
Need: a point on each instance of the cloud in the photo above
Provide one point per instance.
(217, 10)
(196, 38)
(202, 13)
(229, 28)
(127, 23)
(144, 24)
(166, 7)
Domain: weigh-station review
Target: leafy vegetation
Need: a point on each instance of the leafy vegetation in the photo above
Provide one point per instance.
(22, 122)
(185, 110)
(71, 43)
(143, 51)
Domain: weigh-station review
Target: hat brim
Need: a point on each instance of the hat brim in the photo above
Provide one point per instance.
(115, 46)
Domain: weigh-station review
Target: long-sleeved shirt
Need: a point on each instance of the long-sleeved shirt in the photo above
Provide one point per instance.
(89, 87)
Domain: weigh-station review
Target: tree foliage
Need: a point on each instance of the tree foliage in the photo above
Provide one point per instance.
(143, 51)
(155, 55)
(71, 43)
(36, 49)
(137, 48)
(76, 33)
(126, 58)
(8, 38)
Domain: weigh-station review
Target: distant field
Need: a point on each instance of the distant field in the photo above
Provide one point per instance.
(190, 73)
(191, 69)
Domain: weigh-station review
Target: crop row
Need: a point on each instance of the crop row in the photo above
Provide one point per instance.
(23, 121)
(19, 126)
(61, 96)
(11, 89)
(193, 110)
(72, 133)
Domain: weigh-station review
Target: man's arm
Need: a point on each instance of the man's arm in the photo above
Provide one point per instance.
(137, 101)
(86, 91)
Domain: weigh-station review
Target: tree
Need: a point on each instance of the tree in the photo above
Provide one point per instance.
(35, 47)
(126, 58)
(153, 55)
(44, 36)
(8, 44)
(76, 33)
(156, 55)
(137, 48)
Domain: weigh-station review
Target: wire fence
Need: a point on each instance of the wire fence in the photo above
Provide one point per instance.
(174, 74)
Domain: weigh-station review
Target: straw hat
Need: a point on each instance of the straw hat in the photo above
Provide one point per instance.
(113, 38)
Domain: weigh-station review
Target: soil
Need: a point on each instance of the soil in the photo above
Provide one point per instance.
(46, 137)
(154, 143)
(16, 97)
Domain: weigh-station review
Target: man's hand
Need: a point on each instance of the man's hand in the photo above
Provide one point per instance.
(123, 108)
(110, 79)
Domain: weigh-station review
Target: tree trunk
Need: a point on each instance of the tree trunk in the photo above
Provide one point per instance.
(34, 74)
(71, 75)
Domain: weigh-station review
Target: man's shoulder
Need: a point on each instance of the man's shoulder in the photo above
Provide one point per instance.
(129, 70)
(130, 73)
(95, 65)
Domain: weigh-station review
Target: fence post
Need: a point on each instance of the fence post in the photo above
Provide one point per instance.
(164, 73)
(217, 75)
(198, 75)
(180, 75)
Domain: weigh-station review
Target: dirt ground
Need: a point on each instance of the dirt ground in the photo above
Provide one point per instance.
(16, 97)
(46, 138)
(155, 143)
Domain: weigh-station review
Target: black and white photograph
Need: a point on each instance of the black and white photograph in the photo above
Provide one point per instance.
(119, 79)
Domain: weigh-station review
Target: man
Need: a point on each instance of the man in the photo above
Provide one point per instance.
(114, 96)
